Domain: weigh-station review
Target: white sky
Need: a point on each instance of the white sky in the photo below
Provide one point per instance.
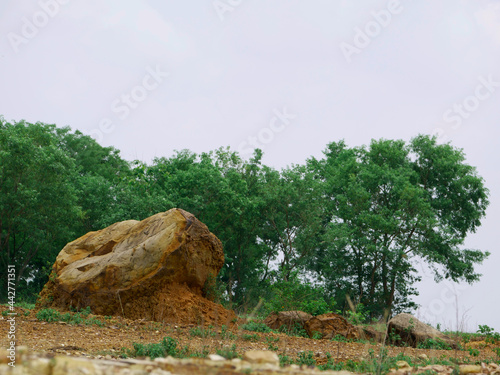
(233, 64)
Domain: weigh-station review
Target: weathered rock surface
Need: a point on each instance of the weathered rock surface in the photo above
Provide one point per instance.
(287, 319)
(153, 269)
(370, 333)
(330, 325)
(254, 362)
(412, 331)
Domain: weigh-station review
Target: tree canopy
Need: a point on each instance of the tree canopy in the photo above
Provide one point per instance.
(348, 226)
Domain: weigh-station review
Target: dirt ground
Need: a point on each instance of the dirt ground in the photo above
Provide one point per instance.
(108, 341)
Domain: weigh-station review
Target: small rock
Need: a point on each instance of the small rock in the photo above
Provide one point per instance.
(402, 364)
(261, 356)
(216, 357)
(470, 369)
(423, 357)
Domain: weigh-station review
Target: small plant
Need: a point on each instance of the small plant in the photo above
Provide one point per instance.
(51, 315)
(248, 337)
(296, 330)
(474, 352)
(340, 338)
(256, 327)
(491, 336)
(225, 334)
(285, 360)
(317, 336)
(330, 364)
(48, 315)
(359, 316)
(306, 359)
(497, 351)
(228, 353)
(272, 347)
(203, 354)
(434, 344)
(394, 337)
(202, 332)
(168, 346)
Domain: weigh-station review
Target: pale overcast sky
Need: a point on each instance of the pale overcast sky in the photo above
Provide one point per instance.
(153, 76)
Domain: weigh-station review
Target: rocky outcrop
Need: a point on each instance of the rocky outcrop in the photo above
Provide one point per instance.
(330, 325)
(288, 319)
(406, 329)
(153, 269)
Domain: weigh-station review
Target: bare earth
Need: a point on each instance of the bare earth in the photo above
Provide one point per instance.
(108, 341)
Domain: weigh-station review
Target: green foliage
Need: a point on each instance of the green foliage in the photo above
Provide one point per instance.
(167, 347)
(225, 334)
(497, 351)
(490, 335)
(285, 360)
(295, 294)
(359, 316)
(296, 330)
(256, 327)
(82, 317)
(474, 352)
(202, 332)
(317, 336)
(271, 341)
(388, 203)
(434, 344)
(228, 352)
(307, 359)
(354, 220)
(250, 337)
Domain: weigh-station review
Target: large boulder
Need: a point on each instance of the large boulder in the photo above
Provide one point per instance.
(329, 326)
(154, 269)
(288, 319)
(406, 329)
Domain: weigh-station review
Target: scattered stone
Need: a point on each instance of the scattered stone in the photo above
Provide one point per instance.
(369, 332)
(470, 369)
(262, 356)
(330, 325)
(411, 331)
(402, 364)
(287, 319)
(216, 357)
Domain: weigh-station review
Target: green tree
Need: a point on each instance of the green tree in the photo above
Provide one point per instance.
(389, 204)
(292, 217)
(220, 190)
(38, 203)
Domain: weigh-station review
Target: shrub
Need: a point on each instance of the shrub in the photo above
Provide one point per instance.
(228, 353)
(202, 332)
(256, 327)
(248, 337)
(434, 344)
(168, 346)
(306, 359)
(295, 294)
